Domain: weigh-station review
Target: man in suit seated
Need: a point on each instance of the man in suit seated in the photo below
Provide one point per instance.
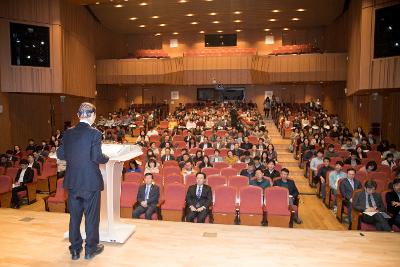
(167, 155)
(205, 144)
(393, 203)
(33, 164)
(198, 199)
(246, 145)
(249, 172)
(147, 198)
(270, 170)
(369, 201)
(347, 186)
(24, 176)
(216, 157)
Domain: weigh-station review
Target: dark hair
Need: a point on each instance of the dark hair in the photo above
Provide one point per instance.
(389, 155)
(396, 181)
(351, 169)
(285, 170)
(370, 184)
(331, 145)
(205, 176)
(134, 163)
(340, 163)
(86, 109)
(149, 174)
(327, 158)
(256, 158)
(371, 163)
(271, 161)
(392, 146)
(216, 150)
(320, 151)
(152, 160)
(250, 163)
(23, 161)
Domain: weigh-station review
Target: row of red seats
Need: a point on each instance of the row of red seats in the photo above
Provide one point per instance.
(295, 49)
(222, 51)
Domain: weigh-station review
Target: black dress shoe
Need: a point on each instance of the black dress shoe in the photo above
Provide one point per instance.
(75, 254)
(99, 249)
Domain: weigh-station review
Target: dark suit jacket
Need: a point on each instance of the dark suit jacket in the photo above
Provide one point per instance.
(154, 195)
(290, 185)
(272, 175)
(171, 157)
(81, 148)
(346, 190)
(246, 146)
(392, 196)
(36, 166)
(205, 199)
(28, 176)
(209, 145)
(359, 201)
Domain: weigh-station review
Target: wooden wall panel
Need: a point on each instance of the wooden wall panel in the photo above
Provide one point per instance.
(390, 118)
(385, 73)
(5, 124)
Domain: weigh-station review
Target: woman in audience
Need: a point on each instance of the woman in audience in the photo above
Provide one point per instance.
(17, 152)
(389, 161)
(360, 153)
(133, 166)
(205, 163)
(231, 158)
(371, 166)
(271, 153)
(383, 146)
(154, 148)
(198, 156)
(192, 143)
(151, 167)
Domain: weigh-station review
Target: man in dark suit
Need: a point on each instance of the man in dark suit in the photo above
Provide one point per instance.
(24, 176)
(33, 164)
(147, 198)
(81, 149)
(167, 155)
(270, 170)
(198, 199)
(393, 203)
(205, 144)
(246, 145)
(369, 201)
(347, 186)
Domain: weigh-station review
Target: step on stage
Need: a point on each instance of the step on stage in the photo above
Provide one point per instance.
(29, 238)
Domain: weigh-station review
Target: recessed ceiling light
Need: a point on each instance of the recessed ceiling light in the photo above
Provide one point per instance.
(157, 34)
(162, 25)
(97, 3)
(143, 4)
(133, 18)
(276, 11)
(237, 12)
(285, 29)
(119, 5)
(194, 23)
(201, 31)
(142, 26)
(215, 22)
(182, 1)
(295, 19)
(238, 30)
(208, 0)
(267, 30)
(237, 21)
(300, 10)
(272, 19)
(212, 14)
(175, 33)
(220, 31)
(155, 17)
(189, 15)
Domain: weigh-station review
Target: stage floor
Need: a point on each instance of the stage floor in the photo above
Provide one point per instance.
(29, 238)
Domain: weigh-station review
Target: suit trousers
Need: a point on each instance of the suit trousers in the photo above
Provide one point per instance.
(14, 197)
(378, 220)
(201, 216)
(148, 211)
(88, 203)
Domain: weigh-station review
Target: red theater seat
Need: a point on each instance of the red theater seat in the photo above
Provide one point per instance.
(129, 192)
(5, 191)
(251, 205)
(277, 206)
(58, 202)
(224, 208)
(174, 202)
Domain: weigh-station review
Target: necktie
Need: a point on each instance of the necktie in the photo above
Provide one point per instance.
(370, 201)
(147, 192)
(167, 158)
(198, 194)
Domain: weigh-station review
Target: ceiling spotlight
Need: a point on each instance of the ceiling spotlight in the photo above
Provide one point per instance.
(272, 19)
(208, 0)
(189, 15)
(220, 31)
(267, 30)
(300, 10)
(194, 23)
(215, 22)
(182, 1)
(175, 33)
(276, 11)
(155, 17)
(285, 29)
(97, 3)
(201, 31)
(143, 4)
(157, 34)
(133, 18)
(295, 19)
(238, 30)
(212, 14)
(237, 12)
(237, 21)
(142, 26)
(162, 25)
(119, 5)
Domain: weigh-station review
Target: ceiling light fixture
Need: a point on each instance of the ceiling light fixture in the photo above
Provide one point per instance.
(215, 22)
(142, 26)
(238, 30)
(163, 25)
(300, 10)
(133, 18)
(285, 29)
(201, 31)
(175, 33)
(157, 34)
(237, 21)
(295, 19)
(182, 1)
(189, 15)
(143, 4)
(267, 30)
(194, 23)
(155, 17)
(119, 5)
(276, 11)
(237, 12)
(212, 14)
(272, 19)
(220, 31)
(97, 3)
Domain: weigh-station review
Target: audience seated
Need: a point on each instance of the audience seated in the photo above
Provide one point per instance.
(259, 180)
(24, 175)
(393, 203)
(198, 200)
(347, 186)
(147, 198)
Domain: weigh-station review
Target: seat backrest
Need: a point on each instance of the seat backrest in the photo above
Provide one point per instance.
(168, 163)
(174, 195)
(190, 179)
(384, 168)
(383, 196)
(216, 180)
(2, 170)
(229, 172)
(220, 165)
(210, 171)
(12, 172)
(209, 151)
(60, 192)
(374, 155)
(381, 185)
(239, 166)
(173, 178)
(224, 199)
(251, 200)
(5, 183)
(135, 177)
(377, 175)
(169, 170)
(277, 200)
(129, 192)
(238, 181)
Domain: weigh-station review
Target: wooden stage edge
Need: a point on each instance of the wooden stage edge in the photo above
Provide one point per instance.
(37, 240)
